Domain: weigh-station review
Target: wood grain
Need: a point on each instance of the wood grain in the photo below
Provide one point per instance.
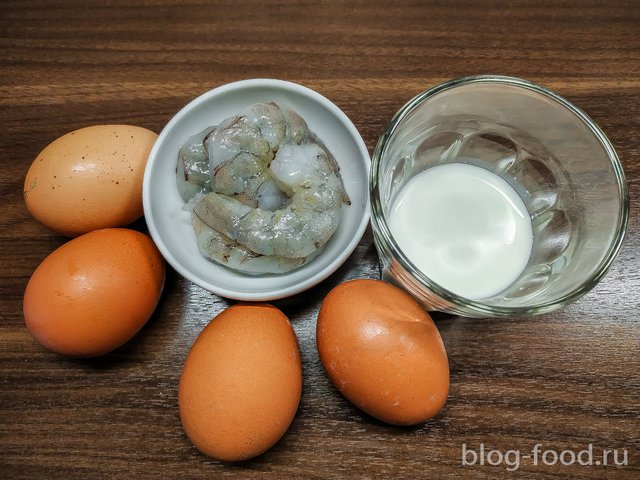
(563, 380)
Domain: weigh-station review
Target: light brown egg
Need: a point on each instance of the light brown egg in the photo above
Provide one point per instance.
(89, 179)
(241, 383)
(383, 352)
(95, 292)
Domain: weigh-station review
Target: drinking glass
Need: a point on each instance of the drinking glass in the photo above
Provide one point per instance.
(555, 157)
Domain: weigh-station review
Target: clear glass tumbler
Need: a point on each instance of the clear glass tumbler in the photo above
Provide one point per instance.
(552, 153)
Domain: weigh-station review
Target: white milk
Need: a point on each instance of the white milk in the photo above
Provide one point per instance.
(464, 227)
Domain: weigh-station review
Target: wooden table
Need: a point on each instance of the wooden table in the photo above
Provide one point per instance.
(563, 380)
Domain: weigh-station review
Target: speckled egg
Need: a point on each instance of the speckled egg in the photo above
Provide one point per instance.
(89, 179)
(241, 383)
(383, 352)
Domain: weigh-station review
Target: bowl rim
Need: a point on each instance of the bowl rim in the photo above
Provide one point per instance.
(269, 293)
(477, 307)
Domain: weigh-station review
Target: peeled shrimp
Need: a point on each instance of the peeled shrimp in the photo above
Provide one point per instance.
(246, 178)
(221, 249)
(273, 196)
(193, 174)
(305, 174)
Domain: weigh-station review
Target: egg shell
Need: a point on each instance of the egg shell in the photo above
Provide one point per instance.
(241, 383)
(383, 352)
(95, 292)
(89, 179)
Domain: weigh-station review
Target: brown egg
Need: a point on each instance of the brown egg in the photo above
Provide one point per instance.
(241, 383)
(95, 292)
(383, 352)
(89, 179)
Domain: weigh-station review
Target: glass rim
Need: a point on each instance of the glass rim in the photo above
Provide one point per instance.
(460, 303)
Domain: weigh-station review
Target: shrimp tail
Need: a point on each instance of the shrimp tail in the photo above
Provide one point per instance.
(333, 165)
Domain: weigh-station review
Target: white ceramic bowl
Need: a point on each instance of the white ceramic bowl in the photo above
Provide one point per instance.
(170, 226)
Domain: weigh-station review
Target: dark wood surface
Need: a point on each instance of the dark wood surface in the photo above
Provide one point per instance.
(563, 380)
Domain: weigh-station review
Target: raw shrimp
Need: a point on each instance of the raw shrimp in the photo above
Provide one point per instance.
(264, 192)
(193, 174)
(237, 135)
(270, 120)
(242, 147)
(246, 178)
(222, 250)
(316, 193)
(240, 152)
